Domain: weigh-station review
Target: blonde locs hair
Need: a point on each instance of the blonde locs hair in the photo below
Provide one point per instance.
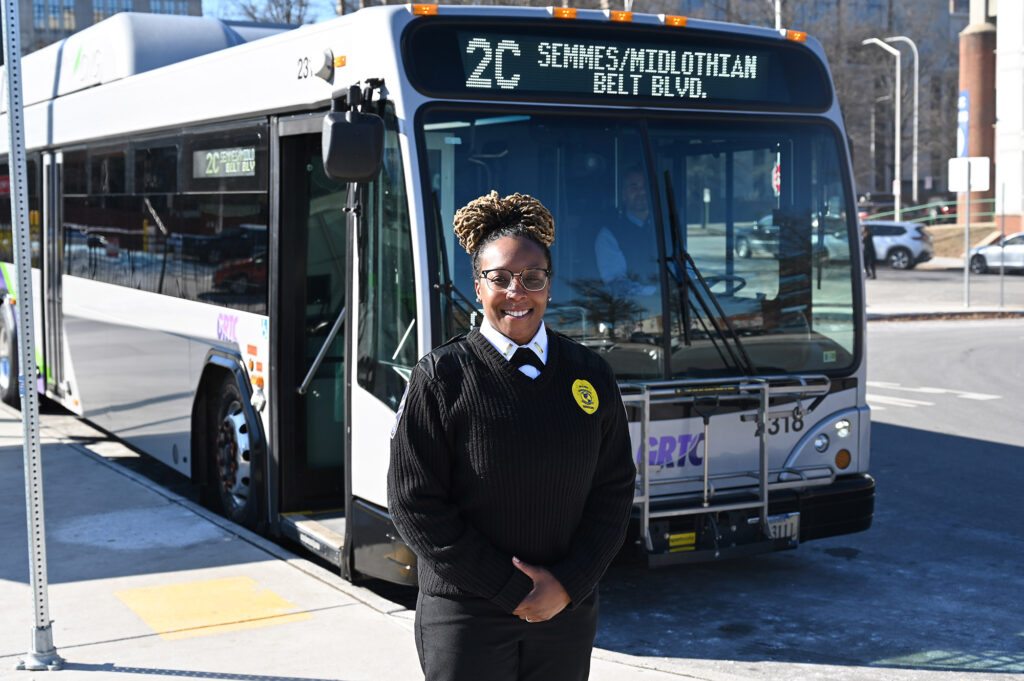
(488, 217)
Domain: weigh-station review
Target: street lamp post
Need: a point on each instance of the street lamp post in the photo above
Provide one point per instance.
(874, 162)
(913, 48)
(897, 158)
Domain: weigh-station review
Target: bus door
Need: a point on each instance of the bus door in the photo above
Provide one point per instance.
(347, 304)
(308, 448)
(52, 269)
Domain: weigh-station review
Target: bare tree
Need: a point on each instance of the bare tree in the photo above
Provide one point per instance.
(276, 11)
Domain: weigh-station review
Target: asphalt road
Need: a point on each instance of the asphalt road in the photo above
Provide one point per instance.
(934, 585)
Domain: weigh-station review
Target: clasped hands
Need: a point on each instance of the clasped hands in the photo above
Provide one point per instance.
(547, 598)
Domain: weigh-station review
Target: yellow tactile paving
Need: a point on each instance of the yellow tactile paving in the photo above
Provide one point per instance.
(208, 607)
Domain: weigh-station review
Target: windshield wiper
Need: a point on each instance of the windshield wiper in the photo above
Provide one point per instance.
(690, 280)
(448, 287)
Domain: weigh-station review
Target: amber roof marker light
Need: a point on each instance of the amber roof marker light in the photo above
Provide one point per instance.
(563, 12)
(424, 10)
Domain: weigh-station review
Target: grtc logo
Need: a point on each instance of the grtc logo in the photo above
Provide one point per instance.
(662, 450)
(227, 327)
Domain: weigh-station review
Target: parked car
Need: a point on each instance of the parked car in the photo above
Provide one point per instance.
(900, 244)
(763, 239)
(243, 275)
(989, 258)
(760, 239)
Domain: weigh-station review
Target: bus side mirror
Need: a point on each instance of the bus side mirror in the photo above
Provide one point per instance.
(353, 146)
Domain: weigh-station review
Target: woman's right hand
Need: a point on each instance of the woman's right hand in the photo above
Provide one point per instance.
(548, 597)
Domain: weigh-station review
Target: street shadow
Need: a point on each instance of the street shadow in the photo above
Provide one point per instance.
(934, 584)
(111, 668)
(100, 523)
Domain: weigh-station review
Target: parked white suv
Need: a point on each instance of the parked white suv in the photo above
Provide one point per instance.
(901, 244)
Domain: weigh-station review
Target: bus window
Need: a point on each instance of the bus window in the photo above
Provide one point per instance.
(387, 305)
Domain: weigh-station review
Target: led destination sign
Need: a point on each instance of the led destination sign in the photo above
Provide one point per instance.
(597, 63)
(494, 61)
(229, 162)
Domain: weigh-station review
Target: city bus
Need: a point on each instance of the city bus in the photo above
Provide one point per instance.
(242, 245)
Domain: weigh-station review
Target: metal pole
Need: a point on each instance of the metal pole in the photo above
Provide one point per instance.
(913, 48)
(897, 184)
(967, 242)
(874, 160)
(42, 655)
(1002, 245)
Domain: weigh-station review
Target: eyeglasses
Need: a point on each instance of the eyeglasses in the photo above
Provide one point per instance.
(532, 278)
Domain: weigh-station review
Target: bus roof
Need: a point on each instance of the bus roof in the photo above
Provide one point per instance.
(127, 44)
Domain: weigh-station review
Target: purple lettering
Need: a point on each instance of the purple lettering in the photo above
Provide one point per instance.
(665, 449)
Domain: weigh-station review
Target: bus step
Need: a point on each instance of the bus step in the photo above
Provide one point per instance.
(323, 533)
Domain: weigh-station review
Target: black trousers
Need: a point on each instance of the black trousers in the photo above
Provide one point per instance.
(470, 639)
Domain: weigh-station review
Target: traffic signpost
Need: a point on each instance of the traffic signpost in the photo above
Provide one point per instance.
(42, 655)
(968, 174)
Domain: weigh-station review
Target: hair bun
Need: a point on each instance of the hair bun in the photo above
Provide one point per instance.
(481, 216)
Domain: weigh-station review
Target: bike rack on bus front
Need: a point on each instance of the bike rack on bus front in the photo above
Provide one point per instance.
(699, 394)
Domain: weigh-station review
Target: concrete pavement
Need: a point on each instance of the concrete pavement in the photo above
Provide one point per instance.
(934, 289)
(144, 584)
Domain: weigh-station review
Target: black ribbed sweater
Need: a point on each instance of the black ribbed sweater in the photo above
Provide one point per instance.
(487, 463)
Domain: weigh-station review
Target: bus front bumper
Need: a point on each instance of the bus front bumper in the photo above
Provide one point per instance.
(795, 516)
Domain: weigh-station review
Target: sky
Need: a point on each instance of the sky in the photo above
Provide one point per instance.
(228, 9)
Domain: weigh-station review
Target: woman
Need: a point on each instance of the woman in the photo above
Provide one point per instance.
(511, 476)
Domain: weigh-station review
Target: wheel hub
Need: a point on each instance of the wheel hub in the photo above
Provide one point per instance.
(234, 456)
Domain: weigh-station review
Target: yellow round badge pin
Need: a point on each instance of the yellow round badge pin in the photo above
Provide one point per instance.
(585, 395)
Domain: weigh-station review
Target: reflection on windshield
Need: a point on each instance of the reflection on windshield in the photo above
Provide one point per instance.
(760, 210)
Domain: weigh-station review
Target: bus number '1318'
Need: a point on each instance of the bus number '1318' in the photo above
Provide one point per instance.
(487, 55)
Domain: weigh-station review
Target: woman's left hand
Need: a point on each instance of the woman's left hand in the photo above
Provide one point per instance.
(548, 597)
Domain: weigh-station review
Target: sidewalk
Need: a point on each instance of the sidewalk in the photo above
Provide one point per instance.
(143, 584)
(892, 297)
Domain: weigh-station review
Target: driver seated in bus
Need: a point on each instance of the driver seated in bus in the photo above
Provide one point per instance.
(625, 249)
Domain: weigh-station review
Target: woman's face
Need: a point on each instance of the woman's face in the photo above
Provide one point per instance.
(514, 311)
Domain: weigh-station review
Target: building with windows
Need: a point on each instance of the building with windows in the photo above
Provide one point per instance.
(47, 21)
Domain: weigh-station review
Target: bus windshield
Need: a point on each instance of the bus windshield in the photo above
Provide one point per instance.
(685, 247)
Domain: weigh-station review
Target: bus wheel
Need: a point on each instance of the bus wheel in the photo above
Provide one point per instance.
(8, 357)
(232, 462)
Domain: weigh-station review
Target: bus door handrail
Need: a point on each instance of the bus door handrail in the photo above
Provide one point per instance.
(338, 323)
(689, 391)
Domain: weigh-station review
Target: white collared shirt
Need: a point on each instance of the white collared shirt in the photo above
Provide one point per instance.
(507, 347)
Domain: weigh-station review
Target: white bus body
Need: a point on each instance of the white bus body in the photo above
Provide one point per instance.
(194, 261)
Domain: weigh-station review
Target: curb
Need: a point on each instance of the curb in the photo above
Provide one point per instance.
(943, 316)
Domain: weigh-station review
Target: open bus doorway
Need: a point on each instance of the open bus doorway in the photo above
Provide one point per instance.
(312, 284)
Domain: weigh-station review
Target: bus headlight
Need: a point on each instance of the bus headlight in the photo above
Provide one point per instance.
(843, 428)
(821, 442)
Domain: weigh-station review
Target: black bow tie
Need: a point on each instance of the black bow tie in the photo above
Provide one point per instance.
(525, 356)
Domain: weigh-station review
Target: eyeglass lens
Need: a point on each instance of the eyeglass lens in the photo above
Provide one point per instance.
(531, 279)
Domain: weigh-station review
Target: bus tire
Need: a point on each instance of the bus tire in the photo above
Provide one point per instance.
(9, 371)
(231, 456)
